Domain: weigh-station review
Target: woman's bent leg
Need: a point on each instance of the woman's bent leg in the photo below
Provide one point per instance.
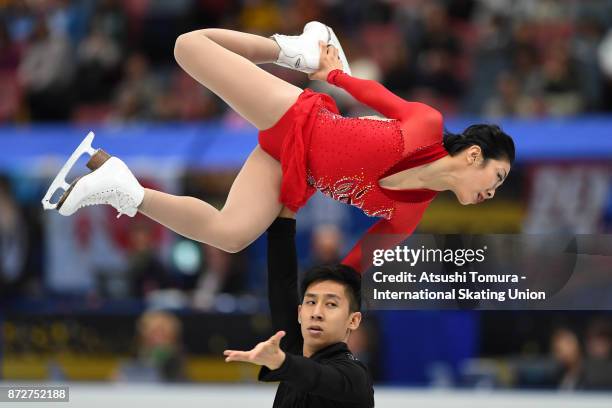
(251, 206)
(258, 96)
(255, 48)
(218, 60)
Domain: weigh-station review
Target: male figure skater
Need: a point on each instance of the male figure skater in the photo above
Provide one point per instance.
(312, 361)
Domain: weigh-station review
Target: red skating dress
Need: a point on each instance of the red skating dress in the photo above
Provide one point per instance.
(345, 158)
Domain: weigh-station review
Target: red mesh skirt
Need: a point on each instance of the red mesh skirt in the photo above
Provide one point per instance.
(288, 141)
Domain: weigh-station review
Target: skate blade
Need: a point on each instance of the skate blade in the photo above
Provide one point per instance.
(336, 43)
(59, 182)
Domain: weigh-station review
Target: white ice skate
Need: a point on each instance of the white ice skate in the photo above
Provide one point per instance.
(301, 52)
(110, 182)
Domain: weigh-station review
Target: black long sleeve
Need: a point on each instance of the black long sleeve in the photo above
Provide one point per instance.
(340, 379)
(282, 283)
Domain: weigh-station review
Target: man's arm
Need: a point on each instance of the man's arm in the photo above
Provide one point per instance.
(282, 283)
(340, 380)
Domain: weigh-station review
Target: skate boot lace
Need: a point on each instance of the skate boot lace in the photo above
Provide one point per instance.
(121, 201)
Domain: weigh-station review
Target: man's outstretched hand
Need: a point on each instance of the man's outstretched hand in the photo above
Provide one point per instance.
(267, 353)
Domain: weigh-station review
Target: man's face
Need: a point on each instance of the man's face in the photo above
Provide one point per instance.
(325, 316)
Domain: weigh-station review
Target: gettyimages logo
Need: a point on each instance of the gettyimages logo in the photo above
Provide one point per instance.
(499, 271)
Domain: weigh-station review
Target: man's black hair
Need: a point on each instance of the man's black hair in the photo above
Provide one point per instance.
(342, 274)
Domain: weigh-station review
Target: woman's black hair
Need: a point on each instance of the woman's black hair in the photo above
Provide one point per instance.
(494, 143)
(343, 274)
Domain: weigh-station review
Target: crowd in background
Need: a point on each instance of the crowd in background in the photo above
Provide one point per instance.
(112, 60)
(581, 359)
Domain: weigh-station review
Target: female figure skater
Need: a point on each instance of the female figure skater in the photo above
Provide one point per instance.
(388, 168)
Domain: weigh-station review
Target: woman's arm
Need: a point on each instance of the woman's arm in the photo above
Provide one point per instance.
(386, 234)
(376, 96)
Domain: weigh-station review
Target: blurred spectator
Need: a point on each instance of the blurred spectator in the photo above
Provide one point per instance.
(46, 75)
(598, 365)
(146, 272)
(589, 33)
(385, 47)
(9, 84)
(509, 100)
(491, 58)
(9, 52)
(13, 241)
(184, 99)
(363, 343)
(561, 89)
(599, 339)
(327, 241)
(98, 59)
(526, 56)
(461, 9)
(112, 19)
(566, 352)
(68, 18)
(438, 53)
(136, 92)
(21, 21)
(436, 34)
(222, 273)
(605, 61)
(162, 22)
(160, 356)
(10, 103)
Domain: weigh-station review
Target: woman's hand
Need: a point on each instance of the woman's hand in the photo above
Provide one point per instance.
(328, 62)
(286, 213)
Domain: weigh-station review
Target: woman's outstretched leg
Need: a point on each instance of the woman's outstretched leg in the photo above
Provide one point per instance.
(224, 62)
(251, 206)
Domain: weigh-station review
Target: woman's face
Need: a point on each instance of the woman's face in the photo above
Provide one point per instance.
(479, 178)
